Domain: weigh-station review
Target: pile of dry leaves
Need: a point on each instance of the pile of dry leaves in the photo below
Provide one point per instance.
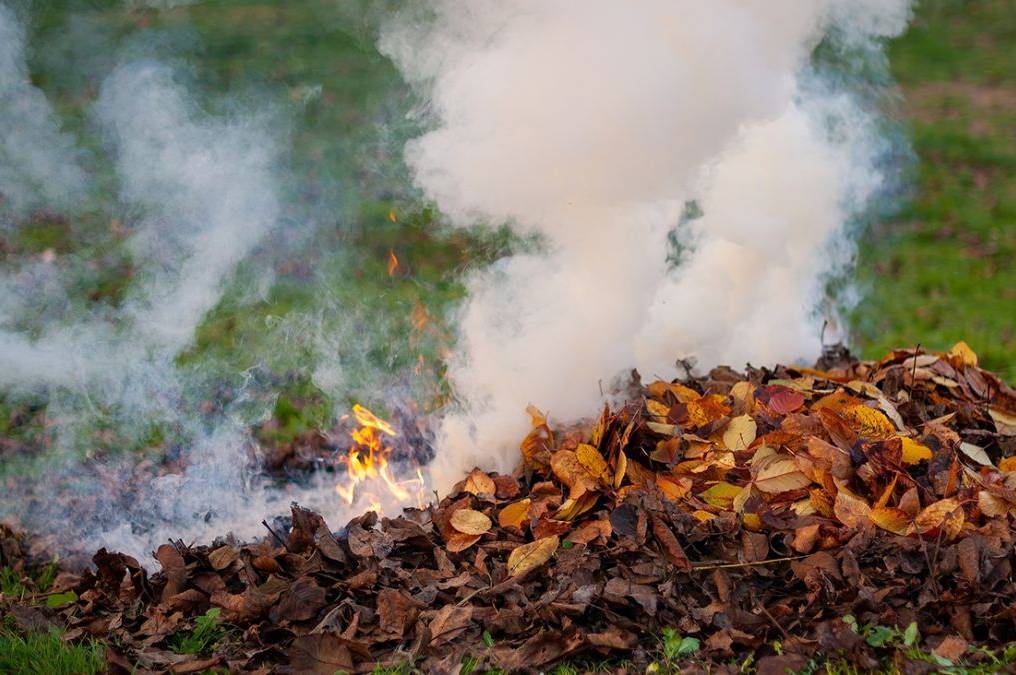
(740, 508)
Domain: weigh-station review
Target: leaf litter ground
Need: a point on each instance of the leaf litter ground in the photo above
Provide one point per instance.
(751, 511)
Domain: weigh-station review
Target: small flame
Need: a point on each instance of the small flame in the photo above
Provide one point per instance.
(393, 263)
(367, 463)
(391, 215)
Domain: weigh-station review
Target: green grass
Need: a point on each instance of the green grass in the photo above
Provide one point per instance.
(47, 653)
(941, 270)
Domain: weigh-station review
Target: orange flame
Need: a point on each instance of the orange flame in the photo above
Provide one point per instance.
(393, 263)
(367, 464)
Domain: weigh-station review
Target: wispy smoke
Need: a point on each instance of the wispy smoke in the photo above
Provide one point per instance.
(594, 127)
(38, 162)
(200, 192)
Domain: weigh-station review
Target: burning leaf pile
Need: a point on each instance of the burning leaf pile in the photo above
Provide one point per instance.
(738, 508)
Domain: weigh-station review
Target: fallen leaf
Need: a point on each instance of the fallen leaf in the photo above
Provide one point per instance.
(515, 514)
(740, 433)
(479, 483)
(976, 453)
(868, 422)
(914, 452)
(721, 495)
(527, 557)
(591, 459)
(851, 509)
(778, 473)
(890, 519)
(468, 521)
(964, 353)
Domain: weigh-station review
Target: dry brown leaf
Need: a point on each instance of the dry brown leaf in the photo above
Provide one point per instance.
(778, 473)
(1005, 423)
(527, 557)
(851, 509)
(940, 515)
(468, 521)
(479, 483)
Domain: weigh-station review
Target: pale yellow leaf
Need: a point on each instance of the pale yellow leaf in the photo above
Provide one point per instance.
(468, 521)
(740, 433)
(527, 557)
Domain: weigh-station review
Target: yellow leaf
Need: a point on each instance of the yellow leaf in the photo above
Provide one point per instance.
(656, 408)
(752, 522)
(743, 394)
(721, 495)
(622, 468)
(740, 433)
(572, 508)
(890, 519)
(590, 458)
(468, 521)
(964, 352)
(868, 422)
(1007, 464)
(527, 557)
(914, 452)
(515, 514)
(702, 516)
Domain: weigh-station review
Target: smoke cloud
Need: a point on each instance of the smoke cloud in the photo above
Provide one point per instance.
(593, 127)
(38, 162)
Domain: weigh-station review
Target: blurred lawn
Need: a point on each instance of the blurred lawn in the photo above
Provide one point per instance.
(943, 269)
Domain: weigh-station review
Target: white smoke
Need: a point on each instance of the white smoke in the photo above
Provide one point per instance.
(38, 162)
(200, 192)
(593, 124)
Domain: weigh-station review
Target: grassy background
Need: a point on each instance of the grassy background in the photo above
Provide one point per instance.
(943, 270)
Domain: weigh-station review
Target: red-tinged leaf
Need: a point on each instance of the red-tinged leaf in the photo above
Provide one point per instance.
(779, 399)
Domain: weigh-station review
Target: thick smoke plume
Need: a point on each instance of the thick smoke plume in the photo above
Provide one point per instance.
(594, 125)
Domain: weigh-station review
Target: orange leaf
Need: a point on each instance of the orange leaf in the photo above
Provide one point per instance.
(891, 519)
(940, 515)
(515, 514)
